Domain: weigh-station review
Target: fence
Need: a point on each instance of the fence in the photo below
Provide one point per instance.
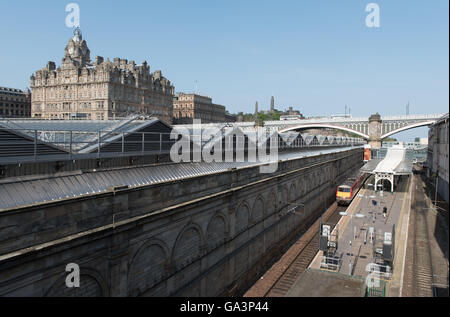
(18, 146)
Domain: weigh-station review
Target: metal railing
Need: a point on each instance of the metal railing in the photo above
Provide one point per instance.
(364, 120)
(45, 145)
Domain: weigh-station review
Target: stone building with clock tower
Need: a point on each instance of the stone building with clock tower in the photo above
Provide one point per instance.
(98, 90)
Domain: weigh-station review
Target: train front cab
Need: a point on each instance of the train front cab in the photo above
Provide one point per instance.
(344, 195)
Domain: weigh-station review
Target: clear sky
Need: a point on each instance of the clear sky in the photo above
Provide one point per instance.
(314, 55)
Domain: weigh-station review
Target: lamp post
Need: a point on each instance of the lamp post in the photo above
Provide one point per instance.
(345, 214)
(380, 189)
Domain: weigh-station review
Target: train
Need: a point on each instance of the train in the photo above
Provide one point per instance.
(347, 191)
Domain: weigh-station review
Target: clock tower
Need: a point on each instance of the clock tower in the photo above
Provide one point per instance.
(77, 52)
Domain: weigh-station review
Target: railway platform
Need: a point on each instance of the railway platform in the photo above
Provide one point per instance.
(317, 283)
(401, 232)
(373, 230)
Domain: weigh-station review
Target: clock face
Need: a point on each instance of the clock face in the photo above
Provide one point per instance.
(70, 50)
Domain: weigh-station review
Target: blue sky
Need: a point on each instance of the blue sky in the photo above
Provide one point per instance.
(315, 55)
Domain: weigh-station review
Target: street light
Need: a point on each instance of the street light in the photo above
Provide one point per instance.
(352, 235)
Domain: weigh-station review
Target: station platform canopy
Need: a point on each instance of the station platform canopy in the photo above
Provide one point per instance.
(396, 162)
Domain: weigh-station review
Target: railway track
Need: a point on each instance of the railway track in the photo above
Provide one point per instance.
(309, 247)
(422, 266)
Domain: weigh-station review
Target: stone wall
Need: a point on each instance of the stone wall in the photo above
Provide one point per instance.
(203, 236)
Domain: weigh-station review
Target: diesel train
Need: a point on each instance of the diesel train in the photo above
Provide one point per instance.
(348, 190)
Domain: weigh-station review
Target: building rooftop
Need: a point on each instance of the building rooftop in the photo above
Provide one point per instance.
(397, 161)
(30, 190)
(68, 136)
(11, 90)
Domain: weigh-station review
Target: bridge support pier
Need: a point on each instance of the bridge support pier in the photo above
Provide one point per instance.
(375, 131)
(375, 144)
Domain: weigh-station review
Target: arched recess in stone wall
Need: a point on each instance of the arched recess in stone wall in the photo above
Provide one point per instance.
(327, 174)
(271, 207)
(216, 231)
(310, 181)
(302, 185)
(293, 193)
(318, 178)
(258, 210)
(147, 267)
(242, 218)
(300, 188)
(283, 196)
(92, 284)
(334, 171)
(188, 246)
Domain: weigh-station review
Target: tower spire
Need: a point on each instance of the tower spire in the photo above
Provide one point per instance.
(77, 35)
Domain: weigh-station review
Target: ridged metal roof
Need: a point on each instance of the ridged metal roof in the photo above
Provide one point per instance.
(32, 190)
(77, 135)
(393, 158)
(396, 161)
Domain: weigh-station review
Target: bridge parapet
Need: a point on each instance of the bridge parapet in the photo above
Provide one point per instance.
(407, 118)
(387, 126)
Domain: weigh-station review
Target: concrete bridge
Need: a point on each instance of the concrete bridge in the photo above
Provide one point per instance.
(207, 234)
(373, 129)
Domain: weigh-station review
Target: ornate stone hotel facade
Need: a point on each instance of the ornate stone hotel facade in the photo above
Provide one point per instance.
(99, 90)
(187, 107)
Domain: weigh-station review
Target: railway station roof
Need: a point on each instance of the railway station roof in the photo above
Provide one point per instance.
(79, 136)
(29, 190)
(395, 162)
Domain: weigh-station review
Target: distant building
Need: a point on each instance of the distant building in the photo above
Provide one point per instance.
(423, 141)
(292, 112)
(437, 162)
(291, 118)
(406, 145)
(389, 144)
(230, 117)
(187, 107)
(15, 103)
(99, 90)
